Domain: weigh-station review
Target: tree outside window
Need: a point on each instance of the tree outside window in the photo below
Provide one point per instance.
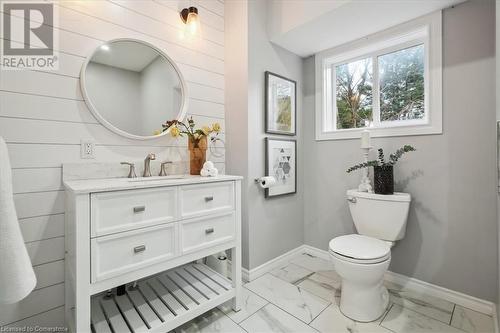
(402, 84)
(354, 94)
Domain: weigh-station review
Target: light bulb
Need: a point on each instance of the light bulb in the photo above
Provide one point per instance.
(192, 24)
(191, 21)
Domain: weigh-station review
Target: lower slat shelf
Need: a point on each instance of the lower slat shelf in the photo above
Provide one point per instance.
(161, 302)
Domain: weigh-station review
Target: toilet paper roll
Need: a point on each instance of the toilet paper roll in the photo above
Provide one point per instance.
(266, 182)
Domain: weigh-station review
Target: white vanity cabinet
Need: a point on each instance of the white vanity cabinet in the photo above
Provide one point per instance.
(149, 235)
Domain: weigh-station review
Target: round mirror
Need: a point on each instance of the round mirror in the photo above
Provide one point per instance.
(132, 88)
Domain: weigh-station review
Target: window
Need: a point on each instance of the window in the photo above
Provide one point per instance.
(389, 82)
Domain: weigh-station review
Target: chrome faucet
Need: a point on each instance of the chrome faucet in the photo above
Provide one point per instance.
(147, 164)
(131, 171)
(163, 168)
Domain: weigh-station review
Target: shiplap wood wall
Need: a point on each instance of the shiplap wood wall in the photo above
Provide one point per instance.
(43, 118)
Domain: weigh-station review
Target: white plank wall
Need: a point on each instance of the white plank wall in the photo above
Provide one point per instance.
(43, 118)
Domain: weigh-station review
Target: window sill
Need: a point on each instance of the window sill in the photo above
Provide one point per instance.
(380, 132)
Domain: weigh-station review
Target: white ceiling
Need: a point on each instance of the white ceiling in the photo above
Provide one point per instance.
(306, 27)
(127, 55)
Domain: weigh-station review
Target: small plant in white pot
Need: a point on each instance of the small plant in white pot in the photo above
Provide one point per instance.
(383, 176)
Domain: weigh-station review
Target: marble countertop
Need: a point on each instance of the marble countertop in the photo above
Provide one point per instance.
(115, 184)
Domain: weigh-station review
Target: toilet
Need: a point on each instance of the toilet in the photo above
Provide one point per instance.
(362, 259)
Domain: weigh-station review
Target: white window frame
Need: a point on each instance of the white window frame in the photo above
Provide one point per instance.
(426, 30)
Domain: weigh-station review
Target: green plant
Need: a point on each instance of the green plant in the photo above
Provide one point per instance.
(393, 159)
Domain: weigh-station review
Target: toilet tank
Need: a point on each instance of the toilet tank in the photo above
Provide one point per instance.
(380, 216)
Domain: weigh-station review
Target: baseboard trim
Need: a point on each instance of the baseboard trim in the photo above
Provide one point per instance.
(495, 317)
(323, 254)
(409, 283)
(456, 297)
(249, 275)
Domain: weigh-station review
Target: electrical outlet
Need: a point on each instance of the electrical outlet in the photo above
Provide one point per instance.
(87, 149)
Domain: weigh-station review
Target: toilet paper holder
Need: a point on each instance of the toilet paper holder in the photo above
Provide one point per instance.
(265, 181)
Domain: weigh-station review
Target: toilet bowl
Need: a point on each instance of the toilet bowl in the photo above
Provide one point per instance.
(362, 259)
(363, 295)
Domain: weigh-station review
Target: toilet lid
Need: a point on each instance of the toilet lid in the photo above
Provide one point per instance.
(360, 247)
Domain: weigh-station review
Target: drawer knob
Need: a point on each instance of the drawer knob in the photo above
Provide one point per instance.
(139, 209)
(209, 231)
(139, 249)
(207, 199)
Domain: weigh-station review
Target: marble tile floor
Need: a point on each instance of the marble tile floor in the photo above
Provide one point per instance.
(303, 296)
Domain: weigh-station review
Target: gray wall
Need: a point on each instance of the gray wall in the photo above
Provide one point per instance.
(236, 104)
(274, 226)
(497, 48)
(161, 95)
(116, 93)
(136, 102)
(451, 238)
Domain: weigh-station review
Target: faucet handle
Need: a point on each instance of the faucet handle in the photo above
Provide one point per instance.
(131, 172)
(151, 156)
(163, 168)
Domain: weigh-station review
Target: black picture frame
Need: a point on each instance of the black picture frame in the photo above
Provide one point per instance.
(268, 169)
(267, 110)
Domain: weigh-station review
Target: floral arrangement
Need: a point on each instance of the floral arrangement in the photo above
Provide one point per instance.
(179, 128)
(393, 158)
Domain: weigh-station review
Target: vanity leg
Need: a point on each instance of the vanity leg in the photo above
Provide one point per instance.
(82, 322)
(236, 276)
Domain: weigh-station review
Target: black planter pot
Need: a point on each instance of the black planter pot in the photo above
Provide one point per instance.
(383, 179)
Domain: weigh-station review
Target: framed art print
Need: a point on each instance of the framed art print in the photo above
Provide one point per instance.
(281, 163)
(281, 104)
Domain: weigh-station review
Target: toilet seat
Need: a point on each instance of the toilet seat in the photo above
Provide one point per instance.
(360, 261)
(360, 249)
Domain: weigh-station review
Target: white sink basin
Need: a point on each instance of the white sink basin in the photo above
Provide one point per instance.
(153, 178)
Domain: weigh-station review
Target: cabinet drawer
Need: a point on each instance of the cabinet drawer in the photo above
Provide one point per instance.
(121, 253)
(205, 232)
(200, 200)
(119, 211)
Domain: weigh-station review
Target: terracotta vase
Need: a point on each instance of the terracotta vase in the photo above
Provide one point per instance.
(197, 155)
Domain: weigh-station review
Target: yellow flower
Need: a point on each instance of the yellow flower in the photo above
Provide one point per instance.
(156, 132)
(206, 130)
(216, 127)
(174, 131)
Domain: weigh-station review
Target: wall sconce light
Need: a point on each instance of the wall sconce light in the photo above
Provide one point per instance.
(190, 17)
